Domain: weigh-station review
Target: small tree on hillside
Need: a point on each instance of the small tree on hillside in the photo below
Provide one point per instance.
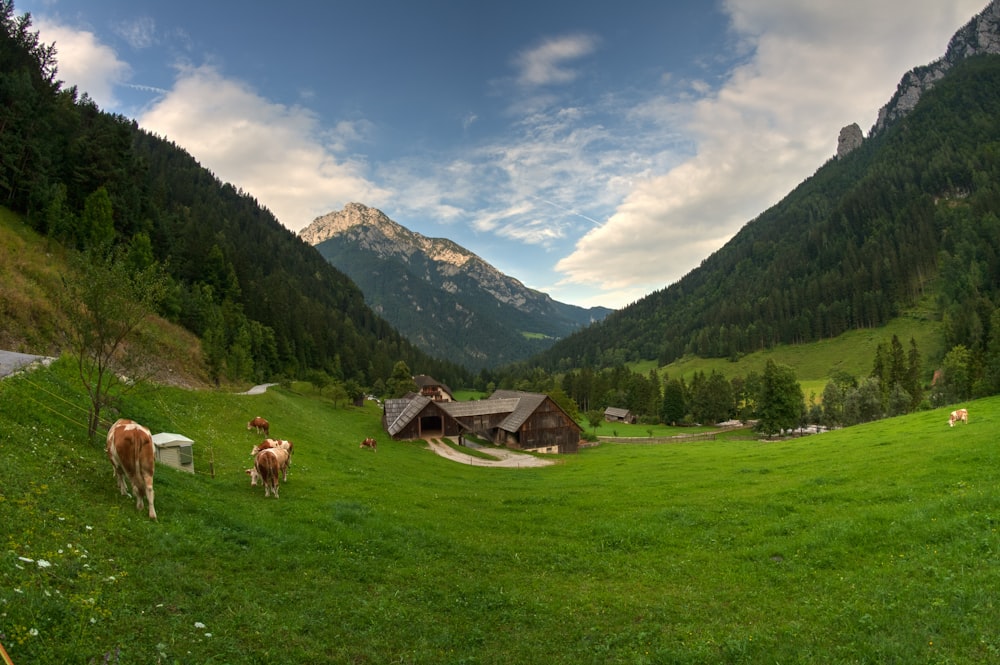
(106, 302)
(594, 419)
(781, 400)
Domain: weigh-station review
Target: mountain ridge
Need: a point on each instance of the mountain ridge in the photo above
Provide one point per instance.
(438, 293)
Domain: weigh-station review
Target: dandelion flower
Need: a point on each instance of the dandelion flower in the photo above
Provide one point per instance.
(198, 624)
(33, 632)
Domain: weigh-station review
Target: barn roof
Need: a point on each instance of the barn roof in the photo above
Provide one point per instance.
(399, 412)
(422, 381)
(517, 406)
(616, 412)
(526, 405)
(479, 407)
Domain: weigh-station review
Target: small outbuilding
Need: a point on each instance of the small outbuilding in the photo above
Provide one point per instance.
(175, 450)
(614, 414)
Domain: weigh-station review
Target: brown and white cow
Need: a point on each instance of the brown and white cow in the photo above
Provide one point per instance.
(254, 476)
(268, 465)
(269, 444)
(958, 414)
(369, 443)
(260, 425)
(130, 451)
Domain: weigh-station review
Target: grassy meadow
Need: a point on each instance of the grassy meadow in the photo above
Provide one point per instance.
(816, 362)
(875, 544)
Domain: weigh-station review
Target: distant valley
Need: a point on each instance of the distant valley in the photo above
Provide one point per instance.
(446, 300)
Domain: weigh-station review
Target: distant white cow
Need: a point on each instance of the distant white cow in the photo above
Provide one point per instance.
(959, 414)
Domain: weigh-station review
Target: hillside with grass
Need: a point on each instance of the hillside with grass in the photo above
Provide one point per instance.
(877, 543)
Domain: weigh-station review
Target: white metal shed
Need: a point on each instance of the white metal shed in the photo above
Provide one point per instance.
(174, 450)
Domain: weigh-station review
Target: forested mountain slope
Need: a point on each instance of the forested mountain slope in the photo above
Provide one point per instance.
(264, 302)
(914, 207)
(442, 297)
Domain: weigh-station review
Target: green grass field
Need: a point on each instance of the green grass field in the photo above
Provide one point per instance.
(816, 362)
(876, 544)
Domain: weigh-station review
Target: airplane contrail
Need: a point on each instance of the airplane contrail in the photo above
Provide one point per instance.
(146, 88)
(570, 211)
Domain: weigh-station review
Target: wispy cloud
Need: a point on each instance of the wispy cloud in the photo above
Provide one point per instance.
(278, 153)
(139, 33)
(549, 62)
(814, 69)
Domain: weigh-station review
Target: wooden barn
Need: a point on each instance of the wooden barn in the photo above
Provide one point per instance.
(614, 414)
(518, 420)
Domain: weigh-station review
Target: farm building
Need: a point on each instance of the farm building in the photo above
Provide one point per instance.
(430, 387)
(174, 450)
(518, 420)
(613, 414)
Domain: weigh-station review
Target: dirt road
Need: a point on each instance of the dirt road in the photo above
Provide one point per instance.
(508, 459)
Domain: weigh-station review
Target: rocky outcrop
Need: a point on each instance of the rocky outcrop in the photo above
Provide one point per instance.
(980, 36)
(849, 140)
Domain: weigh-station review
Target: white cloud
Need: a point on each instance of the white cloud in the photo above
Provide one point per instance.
(547, 63)
(272, 151)
(815, 67)
(84, 61)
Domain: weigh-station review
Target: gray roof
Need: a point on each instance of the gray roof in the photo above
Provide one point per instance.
(399, 412)
(526, 405)
(616, 411)
(170, 439)
(517, 405)
(479, 407)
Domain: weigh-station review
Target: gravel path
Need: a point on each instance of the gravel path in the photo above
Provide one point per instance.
(11, 361)
(258, 390)
(508, 459)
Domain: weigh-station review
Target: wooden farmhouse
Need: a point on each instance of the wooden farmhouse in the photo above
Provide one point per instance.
(433, 388)
(613, 414)
(517, 420)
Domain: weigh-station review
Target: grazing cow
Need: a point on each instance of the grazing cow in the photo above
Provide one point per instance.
(254, 476)
(130, 451)
(275, 444)
(260, 425)
(369, 443)
(268, 465)
(959, 414)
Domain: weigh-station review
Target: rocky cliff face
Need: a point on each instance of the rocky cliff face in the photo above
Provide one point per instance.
(850, 138)
(980, 36)
(447, 300)
(440, 260)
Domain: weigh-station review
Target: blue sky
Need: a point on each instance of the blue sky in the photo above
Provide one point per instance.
(595, 150)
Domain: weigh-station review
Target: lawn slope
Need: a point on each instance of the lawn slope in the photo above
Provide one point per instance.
(874, 544)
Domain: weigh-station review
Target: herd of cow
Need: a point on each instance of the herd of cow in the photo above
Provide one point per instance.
(133, 458)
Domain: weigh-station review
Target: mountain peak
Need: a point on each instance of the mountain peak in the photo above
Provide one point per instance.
(373, 228)
(980, 36)
(444, 298)
(353, 215)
